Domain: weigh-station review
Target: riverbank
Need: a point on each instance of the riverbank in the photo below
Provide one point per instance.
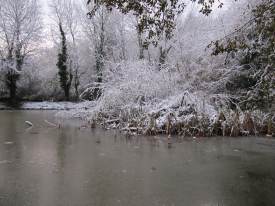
(46, 105)
(192, 124)
(174, 116)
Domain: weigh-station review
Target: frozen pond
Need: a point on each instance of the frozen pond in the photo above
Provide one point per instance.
(45, 166)
(48, 105)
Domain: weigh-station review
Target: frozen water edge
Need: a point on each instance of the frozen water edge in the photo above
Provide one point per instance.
(50, 106)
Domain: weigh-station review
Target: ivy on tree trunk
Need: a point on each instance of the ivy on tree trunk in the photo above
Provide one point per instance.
(65, 76)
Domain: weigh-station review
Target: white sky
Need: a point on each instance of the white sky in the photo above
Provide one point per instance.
(45, 8)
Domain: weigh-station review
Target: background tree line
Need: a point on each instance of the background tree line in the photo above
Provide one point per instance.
(82, 42)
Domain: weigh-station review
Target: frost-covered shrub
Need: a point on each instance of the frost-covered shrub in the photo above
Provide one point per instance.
(139, 95)
(137, 83)
(184, 112)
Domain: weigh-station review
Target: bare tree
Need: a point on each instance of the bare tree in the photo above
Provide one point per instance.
(72, 22)
(20, 28)
(95, 30)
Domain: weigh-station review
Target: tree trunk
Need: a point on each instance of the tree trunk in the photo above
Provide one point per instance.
(76, 85)
(140, 45)
(67, 94)
(13, 90)
(11, 82)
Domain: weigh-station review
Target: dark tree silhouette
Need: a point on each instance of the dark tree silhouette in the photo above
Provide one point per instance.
(65, 76)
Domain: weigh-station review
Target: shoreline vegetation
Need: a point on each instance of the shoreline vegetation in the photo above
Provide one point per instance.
(177, 117)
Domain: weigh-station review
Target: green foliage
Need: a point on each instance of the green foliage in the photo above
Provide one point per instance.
(253, 45)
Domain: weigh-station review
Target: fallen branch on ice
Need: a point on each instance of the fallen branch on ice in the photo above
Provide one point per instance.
(29, 123)
(50, 123)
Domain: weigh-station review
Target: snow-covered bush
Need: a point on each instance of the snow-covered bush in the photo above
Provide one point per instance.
(251, 48)
(135, 94)
(138, 83)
